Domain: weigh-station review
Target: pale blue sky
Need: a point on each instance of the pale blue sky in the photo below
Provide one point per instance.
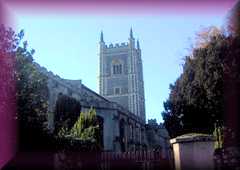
(68, 46)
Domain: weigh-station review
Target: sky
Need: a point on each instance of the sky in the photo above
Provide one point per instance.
(68, 45)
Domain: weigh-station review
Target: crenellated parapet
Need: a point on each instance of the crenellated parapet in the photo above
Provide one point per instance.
(117, 45)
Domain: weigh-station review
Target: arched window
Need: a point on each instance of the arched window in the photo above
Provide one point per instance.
(117, 90)
(131, 131)
(117, 67)
(122, 134)
(100, 121)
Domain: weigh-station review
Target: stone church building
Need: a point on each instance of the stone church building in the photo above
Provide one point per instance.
(120, 105)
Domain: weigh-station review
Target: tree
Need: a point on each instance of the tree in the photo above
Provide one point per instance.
(197, 100)
(32, 95)
(8, 101)
(28, 88)
(204, 37)
(233, 24)
(8, 47)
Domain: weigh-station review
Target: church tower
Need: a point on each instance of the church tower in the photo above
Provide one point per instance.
(121, 75)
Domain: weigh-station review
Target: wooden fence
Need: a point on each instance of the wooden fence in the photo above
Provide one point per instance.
(143, 160)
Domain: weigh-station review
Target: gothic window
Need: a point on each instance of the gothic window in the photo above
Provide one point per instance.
(131, 131)
(117, 67)
(56, 85)
(137, 134)
(122, 135)
(100, 121)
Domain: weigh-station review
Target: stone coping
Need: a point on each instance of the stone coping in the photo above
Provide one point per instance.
(192, 137)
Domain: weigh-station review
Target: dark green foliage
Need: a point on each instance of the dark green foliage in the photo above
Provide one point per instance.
(69, 144)
(198, 98)
(32, 95)
(31, 88)
(32, 92)
(86, 130)
(66, 112)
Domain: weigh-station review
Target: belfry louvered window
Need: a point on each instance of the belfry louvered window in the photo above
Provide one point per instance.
(117, 69)
(117, 66)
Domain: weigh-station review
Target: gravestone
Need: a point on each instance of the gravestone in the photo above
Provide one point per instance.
(193, 151)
